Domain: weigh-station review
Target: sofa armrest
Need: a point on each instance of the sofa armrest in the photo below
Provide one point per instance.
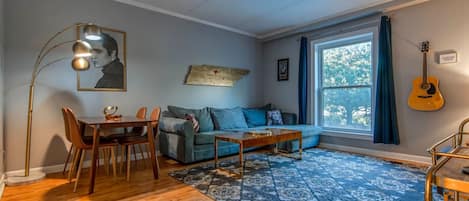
(176, 126)
(177, 139)
(289, 118)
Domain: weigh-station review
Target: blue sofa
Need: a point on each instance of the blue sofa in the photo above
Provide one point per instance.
(179, 141)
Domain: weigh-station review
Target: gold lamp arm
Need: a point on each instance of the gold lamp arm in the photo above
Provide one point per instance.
(41, 54)
(36, 70)
(50, 63)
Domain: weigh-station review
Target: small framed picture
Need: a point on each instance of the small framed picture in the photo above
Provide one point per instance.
(282, 69)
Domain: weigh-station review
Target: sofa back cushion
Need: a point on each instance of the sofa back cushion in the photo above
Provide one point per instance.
(255, 117)
(228, 118)
(202, 116)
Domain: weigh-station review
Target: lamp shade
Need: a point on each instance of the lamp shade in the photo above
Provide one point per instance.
(92, 32)
(80, 64)
(81, 49)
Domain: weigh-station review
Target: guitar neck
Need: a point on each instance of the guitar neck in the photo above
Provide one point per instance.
(424, 75)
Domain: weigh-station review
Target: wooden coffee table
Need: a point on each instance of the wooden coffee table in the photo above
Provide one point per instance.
(246, 140)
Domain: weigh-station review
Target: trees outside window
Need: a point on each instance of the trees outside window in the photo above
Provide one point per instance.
(344, 69)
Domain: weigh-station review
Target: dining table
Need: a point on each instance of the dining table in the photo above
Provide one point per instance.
(98, 123)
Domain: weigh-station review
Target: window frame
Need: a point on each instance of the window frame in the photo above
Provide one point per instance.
(355, 37)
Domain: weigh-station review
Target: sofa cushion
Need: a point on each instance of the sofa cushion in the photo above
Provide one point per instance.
(228, 118)
(255, 117)
(206, 137)
(202, 115)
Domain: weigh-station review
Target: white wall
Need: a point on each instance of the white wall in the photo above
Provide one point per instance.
(442, 22)
(160, 49)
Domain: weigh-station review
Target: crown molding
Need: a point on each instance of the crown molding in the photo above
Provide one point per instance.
(322, 19)
(189, 18)
(386, 6)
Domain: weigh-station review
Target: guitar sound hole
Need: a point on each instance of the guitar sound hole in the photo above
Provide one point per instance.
(432, 89)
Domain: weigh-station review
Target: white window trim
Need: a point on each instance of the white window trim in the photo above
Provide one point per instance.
(347, 133)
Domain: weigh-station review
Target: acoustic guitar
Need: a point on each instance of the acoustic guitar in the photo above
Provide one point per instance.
(425, 95)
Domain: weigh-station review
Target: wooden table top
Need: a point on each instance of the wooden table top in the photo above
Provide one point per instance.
(451, 172)
(241, 136)
(102, 120)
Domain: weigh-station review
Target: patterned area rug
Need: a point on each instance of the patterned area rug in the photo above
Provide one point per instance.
(322, 175)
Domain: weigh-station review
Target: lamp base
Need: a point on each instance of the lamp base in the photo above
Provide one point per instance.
(17, 179)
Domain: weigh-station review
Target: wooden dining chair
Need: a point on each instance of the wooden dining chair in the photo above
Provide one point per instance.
(82, 144)
(67, 136)
(140, 139)
(135, 131)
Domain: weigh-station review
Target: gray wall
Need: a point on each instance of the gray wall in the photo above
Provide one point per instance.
(2, 67)
(442, 22)
(160, 49)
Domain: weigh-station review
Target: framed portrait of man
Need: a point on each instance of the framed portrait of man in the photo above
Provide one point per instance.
(108, 69)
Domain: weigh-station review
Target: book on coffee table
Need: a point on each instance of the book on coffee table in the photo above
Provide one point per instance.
(260, 132)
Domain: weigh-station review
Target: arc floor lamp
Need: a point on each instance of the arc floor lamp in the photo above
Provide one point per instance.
(81, 51)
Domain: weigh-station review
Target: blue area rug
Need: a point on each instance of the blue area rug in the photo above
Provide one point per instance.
(322, 175)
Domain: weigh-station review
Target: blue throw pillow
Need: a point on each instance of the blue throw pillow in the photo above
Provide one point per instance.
(228, 118)
(255, 117)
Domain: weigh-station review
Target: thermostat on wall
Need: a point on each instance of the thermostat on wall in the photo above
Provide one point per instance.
(447, 57)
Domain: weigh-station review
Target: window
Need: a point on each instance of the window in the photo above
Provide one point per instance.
(344, 83)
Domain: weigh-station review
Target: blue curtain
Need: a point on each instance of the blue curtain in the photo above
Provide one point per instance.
(385, 121)
(303, 82)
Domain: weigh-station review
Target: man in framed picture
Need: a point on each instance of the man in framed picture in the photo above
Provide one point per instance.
(106, 57)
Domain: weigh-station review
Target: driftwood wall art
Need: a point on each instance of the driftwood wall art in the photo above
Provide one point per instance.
(214, 75)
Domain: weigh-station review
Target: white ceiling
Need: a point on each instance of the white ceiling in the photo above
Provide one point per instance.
(257, 18)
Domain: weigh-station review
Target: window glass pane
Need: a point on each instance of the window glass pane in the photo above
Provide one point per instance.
(347, 65)
(347, 108)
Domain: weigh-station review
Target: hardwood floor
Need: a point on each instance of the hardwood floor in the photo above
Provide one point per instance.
(141, 186)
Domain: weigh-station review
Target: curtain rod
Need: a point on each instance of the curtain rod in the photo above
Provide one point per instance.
(336, 31)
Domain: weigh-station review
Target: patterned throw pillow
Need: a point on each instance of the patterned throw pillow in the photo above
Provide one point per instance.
(274, 117)
(195, 123)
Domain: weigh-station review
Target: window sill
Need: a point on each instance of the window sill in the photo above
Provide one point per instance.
(349, 135)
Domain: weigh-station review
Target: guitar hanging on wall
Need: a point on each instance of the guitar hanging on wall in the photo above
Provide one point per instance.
(425, 95)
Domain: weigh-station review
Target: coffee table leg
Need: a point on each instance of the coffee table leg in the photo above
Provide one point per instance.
(300, 147)
(241, 158)
(216, 152)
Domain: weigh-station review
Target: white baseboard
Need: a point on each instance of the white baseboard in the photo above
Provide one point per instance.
(60, 167)
(2, 185)
(424, 160)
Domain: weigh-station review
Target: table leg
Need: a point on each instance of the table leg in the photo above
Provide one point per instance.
(456, 196)
(241, 161)
(94, 158)
(300, 147)
(151, 142)
(216, 152)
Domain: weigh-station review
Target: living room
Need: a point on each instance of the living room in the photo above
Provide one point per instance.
(274, 54)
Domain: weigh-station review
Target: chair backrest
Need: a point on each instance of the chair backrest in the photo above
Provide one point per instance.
(141, 113)
(74, 129)
(155, 117)
(67, 128)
